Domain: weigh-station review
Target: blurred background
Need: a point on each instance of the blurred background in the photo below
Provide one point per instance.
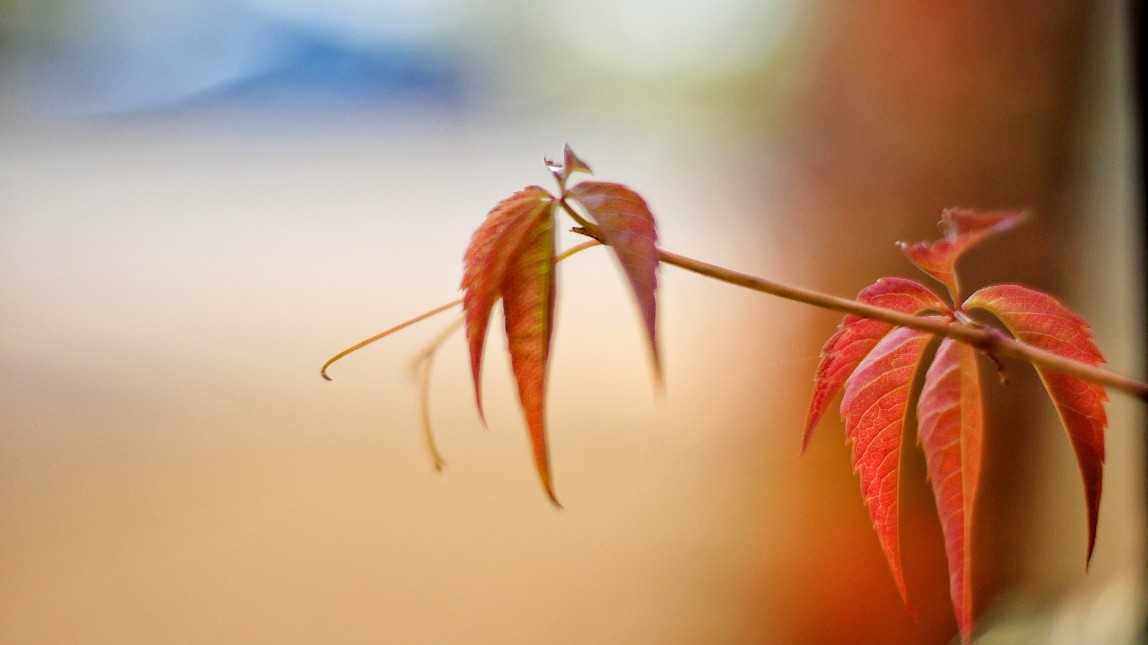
(202, 201)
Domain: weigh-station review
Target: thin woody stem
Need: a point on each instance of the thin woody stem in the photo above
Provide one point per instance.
(982, 338)
(434, 312)
(383, 334)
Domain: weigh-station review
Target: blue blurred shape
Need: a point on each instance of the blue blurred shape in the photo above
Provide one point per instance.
(266, 65)
(312, 69)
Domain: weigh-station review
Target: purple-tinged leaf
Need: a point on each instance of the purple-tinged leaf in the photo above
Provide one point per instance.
(627, 226)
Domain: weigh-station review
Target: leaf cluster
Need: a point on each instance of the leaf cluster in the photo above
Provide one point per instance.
(895, 333)
(877, 364)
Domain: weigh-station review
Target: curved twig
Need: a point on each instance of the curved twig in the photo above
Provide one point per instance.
(434, 312)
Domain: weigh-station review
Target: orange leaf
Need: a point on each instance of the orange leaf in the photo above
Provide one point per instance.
(1039, 320)
(856, 336)
(962, 229)
(627, 226)
(950, 427)
(875, 406)
(492, 249)
(528, 303)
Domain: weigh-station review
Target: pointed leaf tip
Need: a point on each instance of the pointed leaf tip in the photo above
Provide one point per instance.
(548, 487)
(627, 226)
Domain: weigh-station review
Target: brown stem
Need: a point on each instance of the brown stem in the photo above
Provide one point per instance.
(983, 338)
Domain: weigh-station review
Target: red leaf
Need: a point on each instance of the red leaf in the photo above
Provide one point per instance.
(627, 226)
(962, 229)
(511, 256)
(856, 336)
(875, 406)
(492, 249)
(951, 429)
(1038, 319)
(528, 302)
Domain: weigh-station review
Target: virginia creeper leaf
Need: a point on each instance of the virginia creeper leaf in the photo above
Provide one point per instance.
(492, 250)
(950, 427)
(856, 336)
(1039, 320)
(875, 406)
(962, 229)
(528, 304)
(627, 226)
(875, 362)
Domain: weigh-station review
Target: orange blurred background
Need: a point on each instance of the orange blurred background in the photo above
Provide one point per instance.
(200, 205)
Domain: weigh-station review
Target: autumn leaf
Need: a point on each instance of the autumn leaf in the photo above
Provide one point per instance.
(627, 226)
(1039, 320)
(962, 229)
(492, 250)
(875, 406)
(874, 362)
(856, 336)
(950, 428)
(511, 256)
(528, 303)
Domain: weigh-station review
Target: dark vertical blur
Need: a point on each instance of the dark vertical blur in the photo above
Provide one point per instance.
(916, 107)
(1136, 35)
